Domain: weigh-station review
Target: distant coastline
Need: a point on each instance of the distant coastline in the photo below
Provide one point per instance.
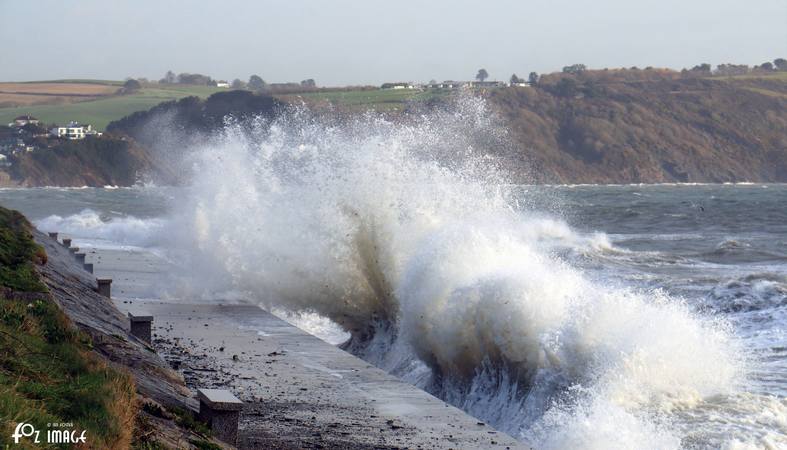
(625, 126)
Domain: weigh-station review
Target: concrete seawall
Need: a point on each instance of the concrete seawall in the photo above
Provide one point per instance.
(302, 392)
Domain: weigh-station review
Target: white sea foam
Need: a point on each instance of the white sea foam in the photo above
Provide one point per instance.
(89, 226)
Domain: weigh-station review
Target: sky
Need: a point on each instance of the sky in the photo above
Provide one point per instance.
(341, 42)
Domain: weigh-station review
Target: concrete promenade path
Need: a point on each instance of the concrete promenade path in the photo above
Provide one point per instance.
(299, 391)
(302, 392)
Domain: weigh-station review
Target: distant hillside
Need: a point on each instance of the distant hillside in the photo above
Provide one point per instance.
(632, 126)
(94, 102)
(178, 120)
(125, 155)
(610, 126)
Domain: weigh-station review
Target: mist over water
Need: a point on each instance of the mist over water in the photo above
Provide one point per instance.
(404, 239)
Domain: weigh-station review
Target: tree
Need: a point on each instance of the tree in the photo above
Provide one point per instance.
(169, 78)
(256, 83)
(780, 63)
(482, 75)
(702, 68)
(566, 87)
(575, 69)
(515, 79)
(238, 84)
(309, 83)
(732, 69)
(131, 85)
(533, 78)
(195, 78)
(766, 66)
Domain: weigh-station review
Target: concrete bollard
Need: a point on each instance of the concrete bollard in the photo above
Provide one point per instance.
(104, 286)
(66, 242)
(220, 410)
(80, 258)
(88, 267)
(53, 235)
(141, 325)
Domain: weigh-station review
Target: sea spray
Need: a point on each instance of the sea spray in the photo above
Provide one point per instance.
(89, 225)
(405, 235)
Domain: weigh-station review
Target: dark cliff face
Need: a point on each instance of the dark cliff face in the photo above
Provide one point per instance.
(89, 162)
(597, 130)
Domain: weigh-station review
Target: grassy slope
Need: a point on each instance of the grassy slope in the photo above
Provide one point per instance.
(102, 111)
(378, 99)
(47, 372)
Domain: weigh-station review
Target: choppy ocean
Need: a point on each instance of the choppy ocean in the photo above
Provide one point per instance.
(719, 252)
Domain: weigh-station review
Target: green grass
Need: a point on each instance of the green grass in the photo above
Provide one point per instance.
(48, 373)
(18, 253)
(767, 92)
(102, 111)
(779, 76)
(379, 99)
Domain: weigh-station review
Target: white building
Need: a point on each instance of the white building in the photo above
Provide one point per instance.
(222, 84)
(74, 131)
(398, 85)
(21, 121)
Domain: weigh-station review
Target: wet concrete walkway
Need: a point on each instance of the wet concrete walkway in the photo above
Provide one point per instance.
(302, 392)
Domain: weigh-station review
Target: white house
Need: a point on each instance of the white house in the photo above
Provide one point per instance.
(23, 120)
(398, 85)
(74, 131)
(222, 84)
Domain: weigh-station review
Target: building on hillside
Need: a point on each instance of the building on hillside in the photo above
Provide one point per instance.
(4, 162)
(520, 84)
(74, 131)
(398, 85)
(222, 84)
(448, 84)
(21, 121)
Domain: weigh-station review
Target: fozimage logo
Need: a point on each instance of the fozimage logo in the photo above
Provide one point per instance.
(57, 433)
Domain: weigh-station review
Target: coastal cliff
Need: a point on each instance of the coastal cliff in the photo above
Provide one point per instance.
(636, 126)
(617, 126)
(95, 162)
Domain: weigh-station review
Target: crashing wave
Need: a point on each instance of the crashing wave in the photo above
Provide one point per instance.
(403, 234)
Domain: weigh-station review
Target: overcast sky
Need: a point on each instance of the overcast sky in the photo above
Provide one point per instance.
(340, 42)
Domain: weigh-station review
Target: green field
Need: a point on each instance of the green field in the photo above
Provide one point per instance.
(102, 111)
(377, 99)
